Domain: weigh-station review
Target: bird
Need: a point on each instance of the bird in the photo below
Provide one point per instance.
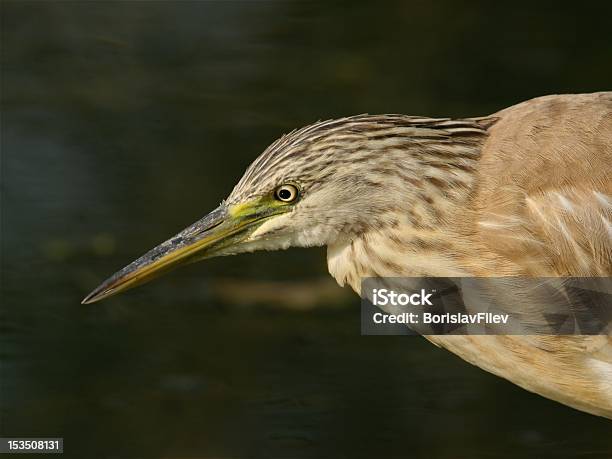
(523, 192)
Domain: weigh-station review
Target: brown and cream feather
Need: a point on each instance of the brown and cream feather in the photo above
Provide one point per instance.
(538, 203)
(526, 191)
(523, 193)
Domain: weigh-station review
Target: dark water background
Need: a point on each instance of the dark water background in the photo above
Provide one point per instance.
(122, 122)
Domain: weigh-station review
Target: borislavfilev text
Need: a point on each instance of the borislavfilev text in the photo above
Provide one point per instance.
(385, 297)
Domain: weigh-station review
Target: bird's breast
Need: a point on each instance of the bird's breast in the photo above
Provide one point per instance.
(394, 252)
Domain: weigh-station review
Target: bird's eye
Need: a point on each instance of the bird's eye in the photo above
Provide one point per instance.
(286, 193)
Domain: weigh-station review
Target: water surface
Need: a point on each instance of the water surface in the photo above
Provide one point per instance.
(123, 122)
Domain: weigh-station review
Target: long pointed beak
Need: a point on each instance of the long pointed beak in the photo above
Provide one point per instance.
(200, 240)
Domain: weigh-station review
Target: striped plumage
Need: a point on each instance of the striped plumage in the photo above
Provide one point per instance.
(312, 153)
(366, 172)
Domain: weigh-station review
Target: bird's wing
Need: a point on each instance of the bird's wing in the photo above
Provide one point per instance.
(543, 208)
(544, 198)
(554, 231)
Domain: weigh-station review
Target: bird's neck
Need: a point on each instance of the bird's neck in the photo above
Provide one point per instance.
(424, 233)
(400, 251)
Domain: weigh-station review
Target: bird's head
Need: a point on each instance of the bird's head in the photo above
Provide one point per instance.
(334, 179)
